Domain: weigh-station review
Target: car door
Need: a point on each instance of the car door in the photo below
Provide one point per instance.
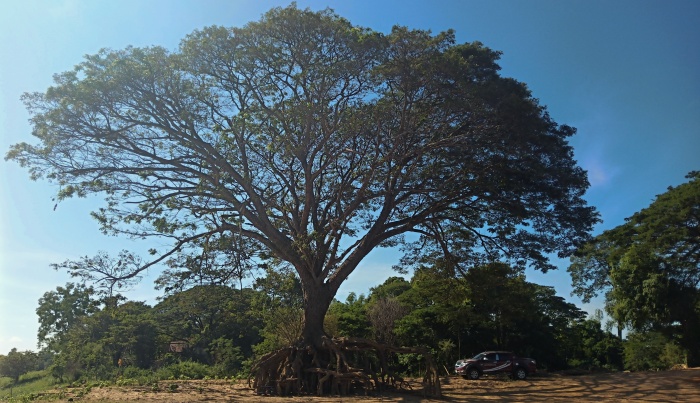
(500, 362)
(489, 362)
(504, 362)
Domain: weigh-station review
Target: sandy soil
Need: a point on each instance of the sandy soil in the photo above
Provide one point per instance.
(669, 386)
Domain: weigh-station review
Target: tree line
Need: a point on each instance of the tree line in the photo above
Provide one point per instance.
(222, 328)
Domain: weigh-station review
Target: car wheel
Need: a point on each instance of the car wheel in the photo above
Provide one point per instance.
(520, 373)
(473, 374)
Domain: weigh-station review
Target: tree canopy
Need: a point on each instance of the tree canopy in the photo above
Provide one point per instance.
(313, 141)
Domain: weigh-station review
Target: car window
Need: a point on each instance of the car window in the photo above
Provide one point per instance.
(492, 357)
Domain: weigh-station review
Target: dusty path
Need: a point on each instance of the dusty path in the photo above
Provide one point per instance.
(670, 386)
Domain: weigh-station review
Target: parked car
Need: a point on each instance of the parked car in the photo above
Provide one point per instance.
(492, 362)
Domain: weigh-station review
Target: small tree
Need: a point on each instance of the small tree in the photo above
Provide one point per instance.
(16, 363)
(60, 310)
(383, 314)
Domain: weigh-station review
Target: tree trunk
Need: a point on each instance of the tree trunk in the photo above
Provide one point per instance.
(320, 365)
(317, 300)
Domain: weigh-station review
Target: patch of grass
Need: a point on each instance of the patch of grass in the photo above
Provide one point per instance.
(30, 384)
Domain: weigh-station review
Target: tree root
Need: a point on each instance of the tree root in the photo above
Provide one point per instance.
(340, 366)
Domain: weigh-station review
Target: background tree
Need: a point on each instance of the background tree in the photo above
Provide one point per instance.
(278, 305)
(60, 310)
(17, 363)
(349, 318)
(121, 331)
(436, 302)
(383, 314)
(132, 335)
(391, 288)
(649, 267)
(204, 314)
(494, 307)
(317, 141)
(501, 302)
(385, 309)
(587, 346)
(360, 316)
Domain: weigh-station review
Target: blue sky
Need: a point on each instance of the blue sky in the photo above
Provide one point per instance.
(625, 73)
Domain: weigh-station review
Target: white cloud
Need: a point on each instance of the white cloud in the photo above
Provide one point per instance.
(599, 173)
(65, 9)
(7, 343)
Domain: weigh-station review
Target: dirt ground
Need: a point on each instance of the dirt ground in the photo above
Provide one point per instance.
(668, 386)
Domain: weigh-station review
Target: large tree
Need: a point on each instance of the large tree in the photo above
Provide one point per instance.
(312, 141)
(649, 267)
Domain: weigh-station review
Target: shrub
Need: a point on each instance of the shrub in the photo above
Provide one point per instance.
(228, 358)
(136, 376)
(651, 351)
(184, 370)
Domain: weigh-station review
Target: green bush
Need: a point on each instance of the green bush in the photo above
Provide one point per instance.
(651, 351)
(576, 363)
(184, 370)
(228, 358)
(673, 355)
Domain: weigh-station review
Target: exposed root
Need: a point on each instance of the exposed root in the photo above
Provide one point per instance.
(340, 366)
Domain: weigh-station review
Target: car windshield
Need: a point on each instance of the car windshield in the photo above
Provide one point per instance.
(478, 356)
